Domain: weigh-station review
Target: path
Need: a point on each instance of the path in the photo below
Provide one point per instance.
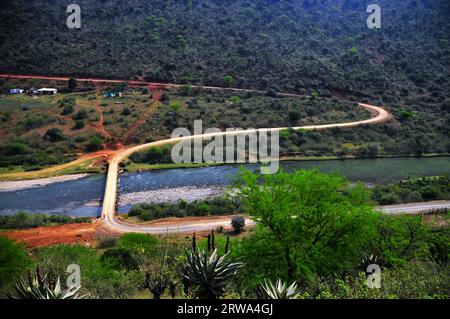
(111, 190)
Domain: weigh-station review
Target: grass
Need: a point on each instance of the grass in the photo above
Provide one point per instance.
(75, 167)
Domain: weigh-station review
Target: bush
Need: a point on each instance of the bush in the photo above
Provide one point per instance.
(22, 220)
(413, 190)
(125, 112)
(68, 109)
(81, 115)
(101, 278)
(54, 135)
(120, 259)
(106, 242)
(79, 124)
(151, 211)
(13, 261)
(138, 243)
(95, 144)
(399, 239)
(238, 223)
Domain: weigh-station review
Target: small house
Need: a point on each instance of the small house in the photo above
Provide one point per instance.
(113, 94)
(16, 91)
(47, 91)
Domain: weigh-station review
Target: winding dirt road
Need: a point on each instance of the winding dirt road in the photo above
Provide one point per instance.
(111, 190)
(110, 197)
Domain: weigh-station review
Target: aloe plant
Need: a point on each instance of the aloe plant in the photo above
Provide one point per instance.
(278, 291)
(209, 274)
(42, 287)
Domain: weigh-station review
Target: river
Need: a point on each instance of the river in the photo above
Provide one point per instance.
(81, 197)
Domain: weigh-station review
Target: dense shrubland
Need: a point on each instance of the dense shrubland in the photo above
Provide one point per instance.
(413, 190)
(22, 220)
(288, 45)
(216, 206)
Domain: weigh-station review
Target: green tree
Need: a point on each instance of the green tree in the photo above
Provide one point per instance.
(228, 80)
(71, 84)
(307, 222)
(79, 124)
(400, 239)
(95, 144)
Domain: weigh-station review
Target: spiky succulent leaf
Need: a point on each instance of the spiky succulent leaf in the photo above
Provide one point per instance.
(37, 287)
(278, 291)
(210, 273)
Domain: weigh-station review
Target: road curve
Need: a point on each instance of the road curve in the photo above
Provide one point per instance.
(111, 189)
(208, 223)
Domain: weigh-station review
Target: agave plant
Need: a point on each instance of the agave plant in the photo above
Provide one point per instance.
(278, 291)
(42, 287)
(209, 274)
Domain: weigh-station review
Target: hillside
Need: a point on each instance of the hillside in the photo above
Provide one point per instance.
(317, 48)
(286, 45)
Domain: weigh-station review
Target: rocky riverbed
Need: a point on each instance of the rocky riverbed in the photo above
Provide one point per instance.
(187, 193)
(10, 186)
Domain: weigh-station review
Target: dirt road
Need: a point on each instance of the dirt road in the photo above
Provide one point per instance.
(110, 197)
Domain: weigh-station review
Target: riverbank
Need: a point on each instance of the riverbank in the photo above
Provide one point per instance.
(79, 166)
(9, 186)
(139, 167)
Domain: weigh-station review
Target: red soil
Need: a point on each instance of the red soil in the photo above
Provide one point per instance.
(53, 235)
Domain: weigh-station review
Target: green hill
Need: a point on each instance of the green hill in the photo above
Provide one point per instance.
(286, 45)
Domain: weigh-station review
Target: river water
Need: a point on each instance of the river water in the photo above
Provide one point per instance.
(81, 197)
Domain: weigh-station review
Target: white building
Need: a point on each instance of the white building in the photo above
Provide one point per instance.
(16, 91)
(47, 91)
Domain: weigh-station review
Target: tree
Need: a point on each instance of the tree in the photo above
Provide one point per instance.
(308, 221)
(54, 135)
(228, 80)
(126, 111)
(79, 124)
(13, 261)
(238, 223)
(95, 144)
(71, 84)
(400, 239)
(81, 115)
(161, 270)
(294, 116)
(68, 109)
